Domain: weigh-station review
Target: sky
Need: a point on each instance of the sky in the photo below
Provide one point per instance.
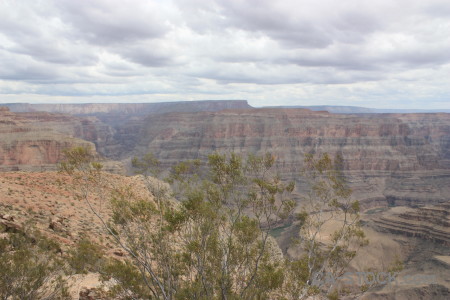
(377, 53)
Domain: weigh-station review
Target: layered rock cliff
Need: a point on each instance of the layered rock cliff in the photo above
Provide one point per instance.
(115, 127)
(431, 223)
(420, 237)
(30, 140)
(389, 159)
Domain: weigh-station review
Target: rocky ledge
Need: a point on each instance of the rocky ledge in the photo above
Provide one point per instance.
(38, 139)
(428, 222)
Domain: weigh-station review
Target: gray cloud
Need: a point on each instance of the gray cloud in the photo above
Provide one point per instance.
(351, 50)
(108, 22)
(58, 52)
(301, 24)
(149, 55)
(24, 68)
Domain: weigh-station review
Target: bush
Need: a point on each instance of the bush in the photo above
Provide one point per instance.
(214, 242)
(30, 268)
(85, 257)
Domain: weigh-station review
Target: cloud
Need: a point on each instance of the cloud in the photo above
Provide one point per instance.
(107, 22)
(152, 54)
(352, 52)
(23, 68)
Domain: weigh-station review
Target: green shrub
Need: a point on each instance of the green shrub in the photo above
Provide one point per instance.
(30, 268)
(85, 257)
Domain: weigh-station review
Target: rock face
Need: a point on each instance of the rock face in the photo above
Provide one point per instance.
(36, 134)
(30, 140)
(390, 159)
(430, 222)
(115, 127)
(429, 292)
(424, 238)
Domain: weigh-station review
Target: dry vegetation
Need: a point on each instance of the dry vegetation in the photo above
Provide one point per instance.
(46, 201)
(49, 196)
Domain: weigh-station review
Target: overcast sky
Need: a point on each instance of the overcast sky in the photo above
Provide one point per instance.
(377, 53)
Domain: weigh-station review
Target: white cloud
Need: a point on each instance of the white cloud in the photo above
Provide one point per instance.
(350, 52)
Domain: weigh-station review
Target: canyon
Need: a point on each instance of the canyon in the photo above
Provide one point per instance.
(30, 141)
(389, 159)
(398, 165)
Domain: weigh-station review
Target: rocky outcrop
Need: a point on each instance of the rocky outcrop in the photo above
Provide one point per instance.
(30, 140)
(389, 159)
(429, 222)
(424, 237)
(36, 134)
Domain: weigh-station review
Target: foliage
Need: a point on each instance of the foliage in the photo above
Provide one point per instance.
(147, 165)
(30, 268)
(79, 159)
(85, 257)
(213, 241)
(328, 203)
(128, 278)
(206, 246)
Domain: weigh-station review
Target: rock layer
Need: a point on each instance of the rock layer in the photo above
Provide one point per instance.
(389, 159)
(429, 222)
(30, 140)
(123, 121)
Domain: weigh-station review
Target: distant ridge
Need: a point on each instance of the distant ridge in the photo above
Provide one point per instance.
(191, 106)
(130, 108)
(364, 110)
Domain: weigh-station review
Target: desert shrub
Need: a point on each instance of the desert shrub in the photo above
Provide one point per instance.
(30, 268)
(128, 278)
(86, 256)
(214, 242)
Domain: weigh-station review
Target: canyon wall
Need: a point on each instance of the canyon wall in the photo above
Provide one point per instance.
(35, 141)
(115, 127)
(389, 159)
